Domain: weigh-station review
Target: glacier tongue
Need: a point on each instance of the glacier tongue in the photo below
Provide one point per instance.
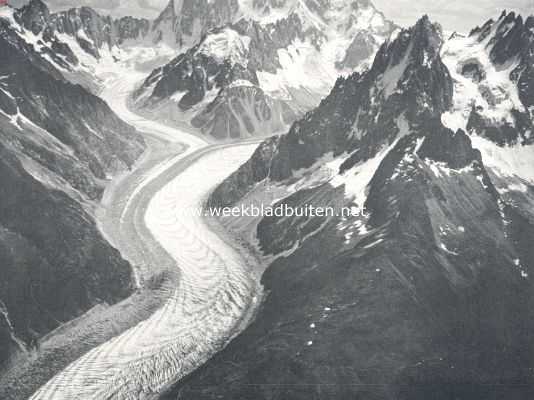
(207, 307)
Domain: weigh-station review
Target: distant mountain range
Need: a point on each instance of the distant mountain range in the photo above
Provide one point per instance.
(259, 65)
(243, 69)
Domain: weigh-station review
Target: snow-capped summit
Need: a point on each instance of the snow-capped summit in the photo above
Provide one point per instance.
(189, 20)
(493, 74)
(226, 44)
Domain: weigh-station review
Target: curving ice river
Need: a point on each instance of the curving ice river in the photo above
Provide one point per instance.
(215, 291)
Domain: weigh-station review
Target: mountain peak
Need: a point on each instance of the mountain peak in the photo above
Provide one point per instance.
(415, 47)
(37, 3)
(33, 16)
(508, 37)
(168, 11)
(424, 20)
(186, 21)
(430, 33)
(192, 19)
(282, 47)
(35, 6)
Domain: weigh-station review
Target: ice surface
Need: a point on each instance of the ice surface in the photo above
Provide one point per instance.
(214, 291)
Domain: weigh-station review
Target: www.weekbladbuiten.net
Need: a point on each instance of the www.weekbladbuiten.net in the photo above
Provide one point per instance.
(279, 210)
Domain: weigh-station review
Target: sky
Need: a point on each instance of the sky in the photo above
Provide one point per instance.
(136, 8)
(454, 15)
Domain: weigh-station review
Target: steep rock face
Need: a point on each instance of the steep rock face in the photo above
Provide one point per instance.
(282, 57)
(68, 120)
(93, 31)
(428, 293)
(55, 263)
(359, 50)
(492, 73)
(511, 40)
(241, 111)
(59, 145)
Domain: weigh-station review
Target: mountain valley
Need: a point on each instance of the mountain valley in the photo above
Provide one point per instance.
(112, 128)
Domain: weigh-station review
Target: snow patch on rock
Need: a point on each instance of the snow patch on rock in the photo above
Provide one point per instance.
(227, 44)
(507, 161)
(358, 178)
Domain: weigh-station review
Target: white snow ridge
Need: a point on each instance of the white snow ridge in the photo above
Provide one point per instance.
(227, 44)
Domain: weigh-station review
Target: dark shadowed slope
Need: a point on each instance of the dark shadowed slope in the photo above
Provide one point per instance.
(59, 145)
